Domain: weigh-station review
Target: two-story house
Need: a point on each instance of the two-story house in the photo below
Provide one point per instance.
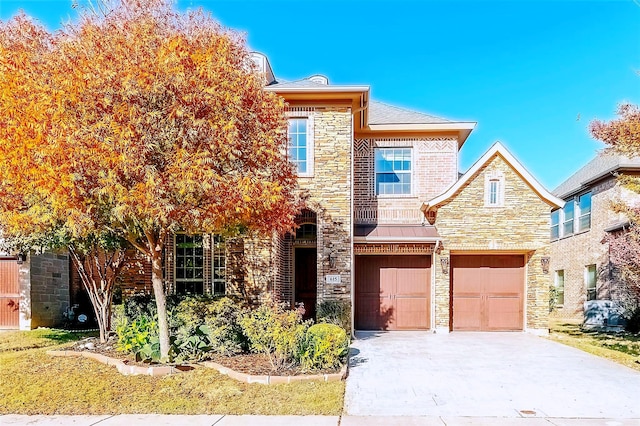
(579, 252)
(390, 225)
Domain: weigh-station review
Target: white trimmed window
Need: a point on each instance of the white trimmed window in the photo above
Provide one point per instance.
(393, 168)
(494, 189)
(300, 151)
(591, 277)
(189, 264)
(559, 284)
(574, 217)
(218, 267)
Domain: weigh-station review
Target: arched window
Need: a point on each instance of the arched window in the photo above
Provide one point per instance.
(306, 231)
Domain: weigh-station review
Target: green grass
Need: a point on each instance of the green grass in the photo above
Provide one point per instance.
(31, 382)
(622, 347)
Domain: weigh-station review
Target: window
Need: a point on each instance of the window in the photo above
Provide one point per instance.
(555, 224)
(590, 278)
(219, 272)
(189, 258)
(494, 189)
(306, 231)
(393, 171)
(575, 217)
(559, 283)
(584, 218)
(567, 213)
(300, 145)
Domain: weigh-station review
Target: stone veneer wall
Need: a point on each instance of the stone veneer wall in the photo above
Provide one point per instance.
(435, 169)
(520, 226)
(574, 253)
(49, 275)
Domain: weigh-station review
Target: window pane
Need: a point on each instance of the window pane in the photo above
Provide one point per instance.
(591, 282)
(555, 232)
(568, 210)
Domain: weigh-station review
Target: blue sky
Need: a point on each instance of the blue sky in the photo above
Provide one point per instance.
(533, 74)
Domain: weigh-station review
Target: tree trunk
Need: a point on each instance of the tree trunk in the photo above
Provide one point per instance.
(161, 303)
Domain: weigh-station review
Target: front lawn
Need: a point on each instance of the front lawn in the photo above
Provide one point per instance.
(31, 382)
(621, 347)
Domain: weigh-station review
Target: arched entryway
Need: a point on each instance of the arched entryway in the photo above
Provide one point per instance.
(305, 260)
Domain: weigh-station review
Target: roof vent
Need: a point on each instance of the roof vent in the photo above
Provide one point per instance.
(320, 79)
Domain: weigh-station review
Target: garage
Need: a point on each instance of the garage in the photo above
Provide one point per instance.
(9, 294)
(392, 292)
(487, 292)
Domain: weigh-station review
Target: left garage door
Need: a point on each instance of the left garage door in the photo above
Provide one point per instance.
(9, 295)
(487, 292)
(392, 292)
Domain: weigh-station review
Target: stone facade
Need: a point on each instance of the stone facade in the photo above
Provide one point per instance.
(572, 254)
(519, 226)
(49, 289)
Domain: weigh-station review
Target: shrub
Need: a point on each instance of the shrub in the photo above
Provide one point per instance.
(139, 337)
(324, 346)
(205, 324)
(336, 312)
(632, 321)
(275, 331)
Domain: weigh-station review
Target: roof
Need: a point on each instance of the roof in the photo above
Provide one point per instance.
(603, 165)
(496, 149)
(396, 233)
(380, 113)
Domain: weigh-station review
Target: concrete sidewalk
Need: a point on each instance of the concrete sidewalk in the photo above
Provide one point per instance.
(219, 420)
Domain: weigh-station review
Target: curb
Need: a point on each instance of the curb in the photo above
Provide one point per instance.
(276, 380)
(123, 368)
(165, 370)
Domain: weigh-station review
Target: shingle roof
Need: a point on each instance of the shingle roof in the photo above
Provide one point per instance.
(380, 113)
(305, 82)
(602, 165)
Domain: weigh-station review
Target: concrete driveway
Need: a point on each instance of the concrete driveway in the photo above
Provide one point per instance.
(484, 375)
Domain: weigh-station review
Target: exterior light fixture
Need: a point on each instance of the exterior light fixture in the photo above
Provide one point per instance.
(544, 262)
(20, 258)
(444, 262)
(332, 259)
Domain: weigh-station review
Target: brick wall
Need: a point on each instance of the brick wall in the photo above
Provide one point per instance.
(520, 226)
(435, 169)
(574, 253)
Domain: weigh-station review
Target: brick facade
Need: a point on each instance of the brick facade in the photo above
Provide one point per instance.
(520, 226)
(574, 253)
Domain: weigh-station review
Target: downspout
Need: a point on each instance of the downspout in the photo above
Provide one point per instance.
(351, 243)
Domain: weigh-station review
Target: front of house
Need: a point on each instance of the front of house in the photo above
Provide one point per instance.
(389, 225)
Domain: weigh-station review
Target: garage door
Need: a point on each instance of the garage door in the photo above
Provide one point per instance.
(392, 292)
(9, 295)
(487, 292)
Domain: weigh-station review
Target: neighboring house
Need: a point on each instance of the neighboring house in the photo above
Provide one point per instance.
(34, 290)
(390, 226)
(579, 254)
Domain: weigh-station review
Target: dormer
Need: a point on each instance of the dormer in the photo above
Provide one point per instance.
(264, 67)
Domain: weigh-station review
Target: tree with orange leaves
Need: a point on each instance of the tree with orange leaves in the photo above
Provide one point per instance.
(139, 121)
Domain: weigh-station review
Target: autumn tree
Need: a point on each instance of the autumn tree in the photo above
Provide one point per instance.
(141, 121)
(622, 137)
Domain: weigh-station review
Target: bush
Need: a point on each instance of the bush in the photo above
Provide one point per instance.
(206, 324)
(336, 312)
(276, 332)
(139, 337)
(632, 321)
(324, 346)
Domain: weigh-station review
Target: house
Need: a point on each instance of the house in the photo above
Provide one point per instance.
(579, 254)
(390, 226)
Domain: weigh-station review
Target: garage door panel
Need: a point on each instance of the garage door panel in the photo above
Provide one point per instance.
(392, 292)
(506, 313)
(487, 292)
(466, 313)
(412, 313)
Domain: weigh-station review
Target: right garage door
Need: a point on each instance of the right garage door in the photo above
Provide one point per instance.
(487, 292)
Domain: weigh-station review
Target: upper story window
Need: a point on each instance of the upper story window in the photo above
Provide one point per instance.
(301, 145)
(573, 218)
(584, 206)
(393, 171)
(494, 189)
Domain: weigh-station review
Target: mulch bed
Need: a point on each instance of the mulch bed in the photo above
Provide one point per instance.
(248, 363)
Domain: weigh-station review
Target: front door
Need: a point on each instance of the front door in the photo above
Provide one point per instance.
(9, 295)
(306, 280)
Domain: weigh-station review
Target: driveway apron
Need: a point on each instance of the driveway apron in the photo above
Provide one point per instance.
(484, 374)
